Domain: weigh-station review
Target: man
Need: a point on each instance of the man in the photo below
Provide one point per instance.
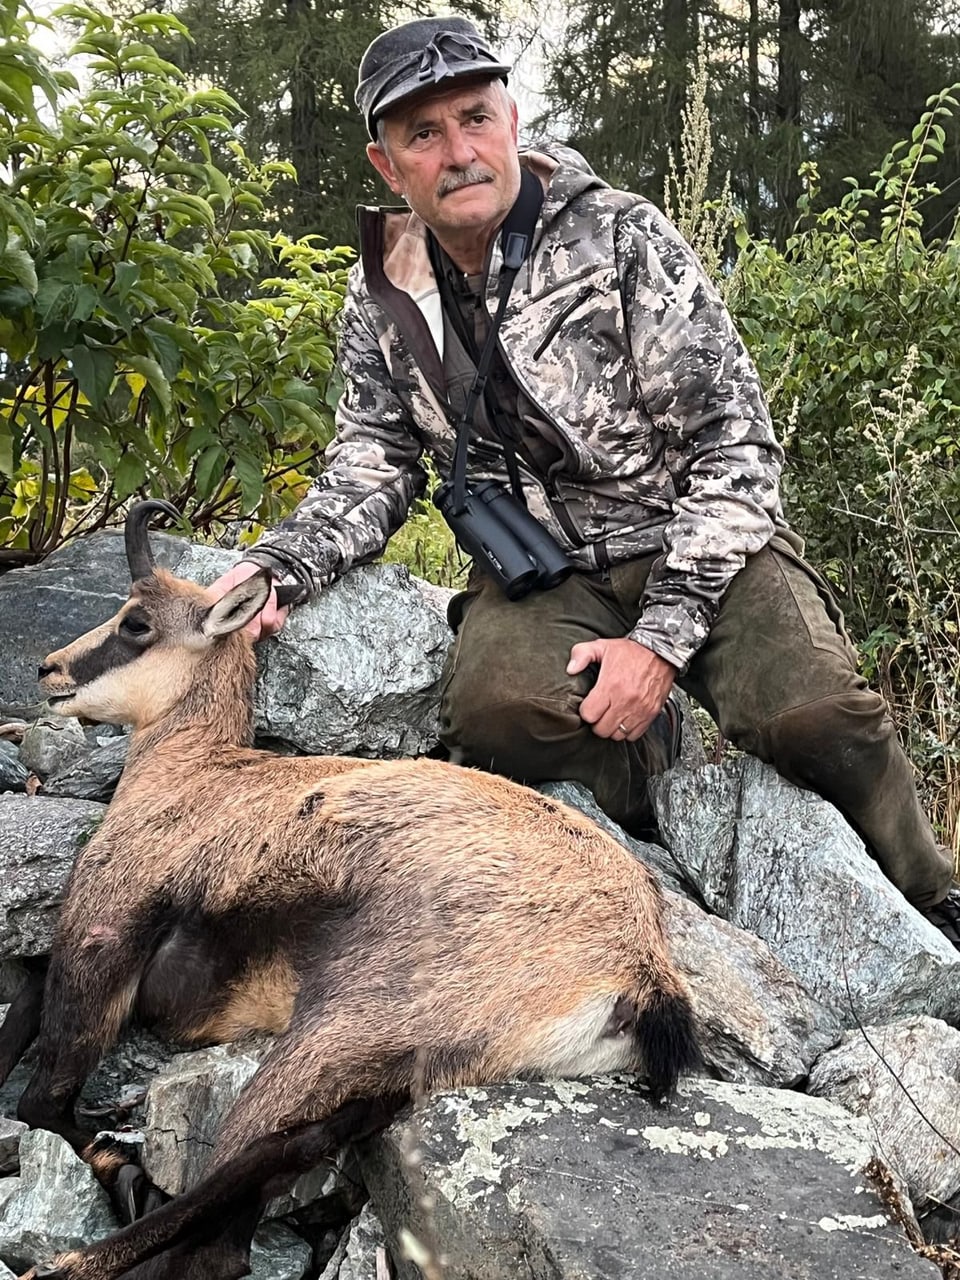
(641, 441)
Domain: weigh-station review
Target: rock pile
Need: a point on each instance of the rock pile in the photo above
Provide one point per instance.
(827, 1124)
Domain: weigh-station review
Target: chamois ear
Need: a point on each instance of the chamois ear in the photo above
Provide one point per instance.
(239, 606)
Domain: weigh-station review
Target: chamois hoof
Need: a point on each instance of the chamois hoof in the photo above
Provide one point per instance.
(135, 1195)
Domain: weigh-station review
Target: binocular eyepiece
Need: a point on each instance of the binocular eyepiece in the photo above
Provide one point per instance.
(504, 538)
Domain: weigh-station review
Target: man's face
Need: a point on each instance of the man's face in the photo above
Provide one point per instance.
(453, 156)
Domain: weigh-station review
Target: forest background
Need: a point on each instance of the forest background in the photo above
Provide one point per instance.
(177, 200)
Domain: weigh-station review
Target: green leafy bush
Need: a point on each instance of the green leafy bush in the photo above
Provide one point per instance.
(425, 543)
(143, 351)
(855, 329)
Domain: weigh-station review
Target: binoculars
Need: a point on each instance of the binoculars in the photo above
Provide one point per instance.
(503, 538)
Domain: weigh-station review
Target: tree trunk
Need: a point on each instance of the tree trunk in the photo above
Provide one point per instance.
(754, 109)
(676, 52)
(303, 118)
(789, 113)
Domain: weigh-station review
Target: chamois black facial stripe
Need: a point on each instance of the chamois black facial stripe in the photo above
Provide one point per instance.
(112, 652)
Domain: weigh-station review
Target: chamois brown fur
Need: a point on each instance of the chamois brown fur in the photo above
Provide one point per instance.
(400, 926)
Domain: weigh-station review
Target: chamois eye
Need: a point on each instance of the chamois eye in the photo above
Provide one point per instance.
(133, 626)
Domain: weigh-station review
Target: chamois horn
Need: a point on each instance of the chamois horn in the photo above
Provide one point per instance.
(136, 540)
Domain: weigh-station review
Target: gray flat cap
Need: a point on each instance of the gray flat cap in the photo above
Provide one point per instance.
(417, 55)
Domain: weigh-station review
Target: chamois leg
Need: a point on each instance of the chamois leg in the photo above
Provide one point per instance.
(207, 1219)
(22, 1023)
(88, 996)
(327, 1079)
(198, 1256)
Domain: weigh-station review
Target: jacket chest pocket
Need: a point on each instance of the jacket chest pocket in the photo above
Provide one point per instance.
(582, 295)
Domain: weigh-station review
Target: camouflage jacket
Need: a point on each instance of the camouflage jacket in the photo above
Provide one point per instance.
(615, 334)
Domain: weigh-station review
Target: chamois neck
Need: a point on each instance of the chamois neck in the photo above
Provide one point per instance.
(217, 709)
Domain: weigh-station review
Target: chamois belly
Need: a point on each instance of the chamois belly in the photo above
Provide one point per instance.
(209, 988)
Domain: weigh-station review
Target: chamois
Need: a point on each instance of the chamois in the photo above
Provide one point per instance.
(401, 926)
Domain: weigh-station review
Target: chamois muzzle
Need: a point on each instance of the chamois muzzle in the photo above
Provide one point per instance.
(136, 538)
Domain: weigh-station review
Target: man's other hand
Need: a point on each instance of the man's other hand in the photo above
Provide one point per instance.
(630, 690)
(270, 619)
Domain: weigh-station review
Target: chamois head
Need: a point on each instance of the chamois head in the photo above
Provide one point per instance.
(139, 665)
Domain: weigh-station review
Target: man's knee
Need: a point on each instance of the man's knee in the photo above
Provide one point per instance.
(510, 706)
(523, 735)
(837, 745)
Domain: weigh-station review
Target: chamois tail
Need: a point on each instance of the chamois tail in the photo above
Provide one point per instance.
(666, 1033)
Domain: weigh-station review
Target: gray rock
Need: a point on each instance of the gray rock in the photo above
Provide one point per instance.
(757, 1023)
(437, 598)
(125, 1072)
(13, 773)
(57, 1204)
(905, 1079)
(93, 775)
(11, 1131)
(278, 1253)
(692, 753)
(52, 743)
(355, 1257)
(39, 839)
(186, 1105)
(784, 864)
(114, 1091)
(358, 671)
(576, 1179)
(6, 1273)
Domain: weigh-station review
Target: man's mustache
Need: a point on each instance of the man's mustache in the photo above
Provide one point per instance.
(464, 178)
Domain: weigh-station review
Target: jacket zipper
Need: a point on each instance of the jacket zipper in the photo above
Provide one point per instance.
(559, 319)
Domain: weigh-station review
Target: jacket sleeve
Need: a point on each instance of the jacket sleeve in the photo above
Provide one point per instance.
(372, 474)
(701, 389)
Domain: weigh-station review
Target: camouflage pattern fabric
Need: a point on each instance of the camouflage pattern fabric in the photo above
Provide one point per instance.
(616, 336)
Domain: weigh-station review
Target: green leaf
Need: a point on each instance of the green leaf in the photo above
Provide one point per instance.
(125, 275)
(6, 449)
(209, 470)
(297, 389)
(250, 474)
(94, 369)
(335, 385)
(54, 300)
(129, 475)
(18, 264)
(157, 383)
(54, 339)
(14, 298)
(85, 302)
(219, 183)
(166, 349)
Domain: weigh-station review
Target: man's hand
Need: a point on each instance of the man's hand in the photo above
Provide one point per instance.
(270, 619)
(630, 690)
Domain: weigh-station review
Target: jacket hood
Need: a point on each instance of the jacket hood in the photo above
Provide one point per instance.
(565, 175)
